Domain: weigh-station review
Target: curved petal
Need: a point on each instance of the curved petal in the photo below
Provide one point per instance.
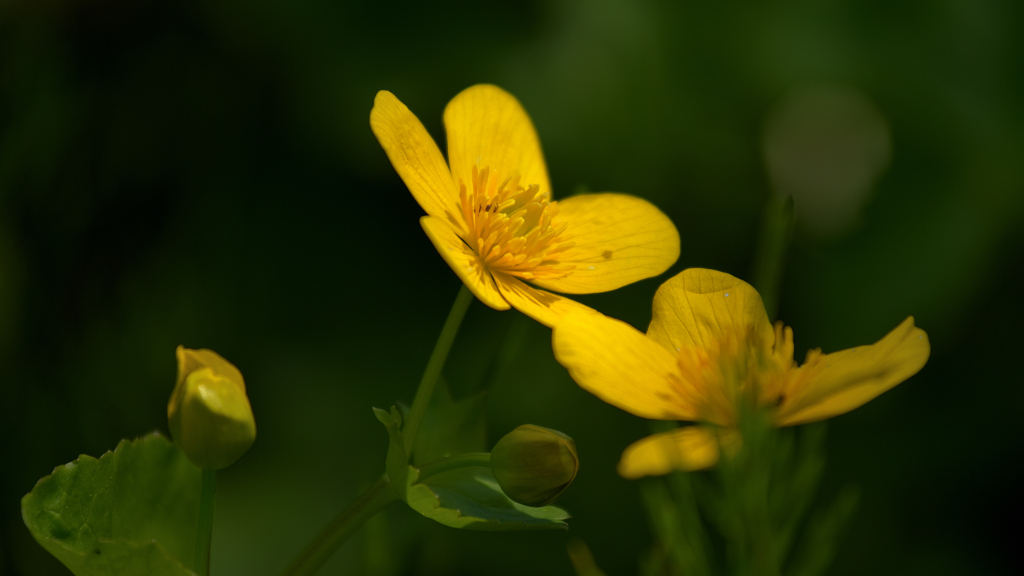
(618, 238)
(487, 127)
(542, 306)
(190, 360)
(415, 156)
(463, 261)
(688, 448)
(833, 384)
(615, 362)
(698, 305)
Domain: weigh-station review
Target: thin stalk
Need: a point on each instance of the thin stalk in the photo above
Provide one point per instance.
(770, 254)
(434, 365)
(506, 354)
(453, 462)
(344, 525)
(204, 531)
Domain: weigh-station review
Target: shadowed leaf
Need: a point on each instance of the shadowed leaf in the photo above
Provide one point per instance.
(470, 498)
(131, 511)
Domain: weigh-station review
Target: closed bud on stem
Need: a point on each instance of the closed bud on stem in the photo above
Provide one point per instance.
(534, 465)
(209, 414)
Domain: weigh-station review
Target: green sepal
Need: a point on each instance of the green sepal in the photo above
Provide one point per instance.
(450, 427)
(469, 498)
(131, 511)
(397, 462)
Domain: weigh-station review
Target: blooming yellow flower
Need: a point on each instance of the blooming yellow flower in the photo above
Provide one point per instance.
(491, 215)
(709, 347)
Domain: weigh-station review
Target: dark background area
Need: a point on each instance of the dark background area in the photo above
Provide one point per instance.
(204, 174)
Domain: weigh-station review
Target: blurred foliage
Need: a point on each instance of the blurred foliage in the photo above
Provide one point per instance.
(753, 513)
(204, 174)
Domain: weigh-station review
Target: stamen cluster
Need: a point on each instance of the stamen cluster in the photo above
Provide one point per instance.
(513, 228)
(739, 366)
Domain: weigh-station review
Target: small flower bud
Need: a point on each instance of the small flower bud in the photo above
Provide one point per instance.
(534, 465)
(209, 414)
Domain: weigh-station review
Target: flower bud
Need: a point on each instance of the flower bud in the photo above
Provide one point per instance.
(534, 465)
(209, 414)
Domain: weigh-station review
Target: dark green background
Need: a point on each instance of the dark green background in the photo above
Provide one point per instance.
(204, 174)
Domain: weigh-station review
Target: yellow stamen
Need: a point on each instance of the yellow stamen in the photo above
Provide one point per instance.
(735, 366)
(513, 228)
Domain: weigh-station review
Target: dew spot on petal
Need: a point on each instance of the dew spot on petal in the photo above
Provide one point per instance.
(726, 294)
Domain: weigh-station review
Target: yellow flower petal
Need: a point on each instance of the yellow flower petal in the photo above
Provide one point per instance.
(190, 360)
(688, 448)
(836, 383)
(542, 306)
(698, 306)
(618, 239)
(463, 261)
(415, 156)
(616, 363)
(488, 128)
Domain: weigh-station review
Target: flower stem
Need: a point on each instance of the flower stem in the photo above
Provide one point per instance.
(434, 365)
(506, 354)
(453, 462)
(344, 525)
(770, 256)
(204, 531)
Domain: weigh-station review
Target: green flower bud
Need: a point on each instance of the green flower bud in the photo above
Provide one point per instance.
(209, 414)
(534, 465)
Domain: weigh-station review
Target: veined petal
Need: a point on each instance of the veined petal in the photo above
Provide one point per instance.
(618, 238)
(415, 156)
(839, 382)
(688, 448)
(697, 306)
(487, 127)
(463, 261)
(542, 306)
(615, 362)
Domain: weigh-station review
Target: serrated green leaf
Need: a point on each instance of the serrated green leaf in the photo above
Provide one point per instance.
(470, 498)
(131, 511)
(450, 427)
(397, 461)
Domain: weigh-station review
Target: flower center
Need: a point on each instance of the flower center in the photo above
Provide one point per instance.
(514, 229)
(736, 366)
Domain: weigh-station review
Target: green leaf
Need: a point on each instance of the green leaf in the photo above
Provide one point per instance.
(132, 511)
(470, 498)
(450, 427)
(397, 462)
(822, 535)
(675, 519)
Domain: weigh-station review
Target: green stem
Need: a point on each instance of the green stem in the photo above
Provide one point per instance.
(452, 462)
(770, 255)
(434, 365)
(204, 531)
(506, 355)
(344, 525)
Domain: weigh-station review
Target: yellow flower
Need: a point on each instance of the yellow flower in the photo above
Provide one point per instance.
(709, 347)
(491, 215)
(209, 413)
